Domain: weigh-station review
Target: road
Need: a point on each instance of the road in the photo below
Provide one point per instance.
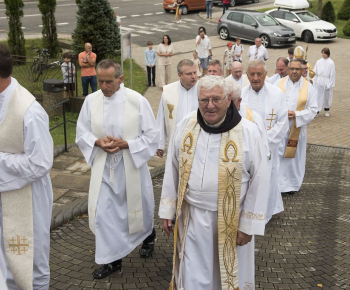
(145, 19)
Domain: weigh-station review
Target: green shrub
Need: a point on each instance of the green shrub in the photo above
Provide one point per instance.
(344, 11)
(328, 13)
(346, 28)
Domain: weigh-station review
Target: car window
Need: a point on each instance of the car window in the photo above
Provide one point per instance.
(277, 14)
(289, 16)
(266, 20)
(234, 16)
(307, 16)
(247, 19)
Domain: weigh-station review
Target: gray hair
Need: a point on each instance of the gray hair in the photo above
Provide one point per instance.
(182, 63)
(208, 82)
(234, 89)
(296, 60)
(215, 62)
(257, 62)
(107, 63)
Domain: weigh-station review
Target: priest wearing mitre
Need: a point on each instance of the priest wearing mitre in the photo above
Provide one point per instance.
(117, 134)
(216, 182)
(26, 156)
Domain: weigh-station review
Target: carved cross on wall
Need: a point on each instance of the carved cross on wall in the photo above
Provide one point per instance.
(272, 119)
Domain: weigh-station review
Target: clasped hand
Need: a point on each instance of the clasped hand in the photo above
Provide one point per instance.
(111, 145)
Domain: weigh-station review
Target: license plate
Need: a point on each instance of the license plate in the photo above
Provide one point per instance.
(291, 39)
(332, 34)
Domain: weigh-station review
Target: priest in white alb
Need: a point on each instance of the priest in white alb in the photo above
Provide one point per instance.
(237, 74)
(26, 156)
(216, 181)
(268, 101)
(117, 134)
(281, 70)
(301, 101)
(324, 81)
(178, 99)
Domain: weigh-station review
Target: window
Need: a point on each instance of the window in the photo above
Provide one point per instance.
(277, 14)
(236, 17)
(266, 20)
(289, 16)
(307, 16)
(248, 20)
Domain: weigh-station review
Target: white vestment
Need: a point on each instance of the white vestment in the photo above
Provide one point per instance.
(274, 78)
(113, 240)
(200, 264)
(188, 102)
(243, 81)
(270, 105)
(324, 82)
(292, 170)
(32, 167)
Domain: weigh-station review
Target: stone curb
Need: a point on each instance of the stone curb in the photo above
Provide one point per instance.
(64, 213)
(59, 149)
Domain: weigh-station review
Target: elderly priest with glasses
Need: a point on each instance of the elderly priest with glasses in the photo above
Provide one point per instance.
(217, 182)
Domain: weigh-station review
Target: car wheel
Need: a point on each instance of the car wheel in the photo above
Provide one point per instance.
(184, 10)
(223, 33)
(308, 36)
(167, 10)
(232, 3)
(265, 40)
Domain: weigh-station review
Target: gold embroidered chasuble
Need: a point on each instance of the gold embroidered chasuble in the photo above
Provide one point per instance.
(17, 211)
(229, 182)
(293, 139)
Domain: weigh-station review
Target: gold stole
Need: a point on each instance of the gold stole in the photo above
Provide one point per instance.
(229, 181)
(249, 114)
(293, 139)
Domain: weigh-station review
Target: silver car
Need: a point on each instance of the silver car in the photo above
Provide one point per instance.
(250, 24)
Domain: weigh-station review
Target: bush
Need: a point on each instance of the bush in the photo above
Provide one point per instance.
(344, 11)
(97, 25)
(328, 13)
(346, 28)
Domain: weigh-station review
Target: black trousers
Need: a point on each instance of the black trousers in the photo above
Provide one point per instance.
(153, 71)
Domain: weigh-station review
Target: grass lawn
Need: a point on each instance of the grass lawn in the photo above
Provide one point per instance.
(21, 72)
(314, 4)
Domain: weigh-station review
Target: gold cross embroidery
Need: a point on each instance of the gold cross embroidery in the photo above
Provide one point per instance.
(135, 212)
(17, 247)
(272, 119)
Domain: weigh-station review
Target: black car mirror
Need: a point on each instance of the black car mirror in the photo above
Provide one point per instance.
(254, 25)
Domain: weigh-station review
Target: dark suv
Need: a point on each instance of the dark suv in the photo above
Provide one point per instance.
(250, 24)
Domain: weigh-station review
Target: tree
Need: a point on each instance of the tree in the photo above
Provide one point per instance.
(96, 24)
(328, 13)
(49, 31)
(346, 28)
(16, 41)
(344, 11)
(319, 8)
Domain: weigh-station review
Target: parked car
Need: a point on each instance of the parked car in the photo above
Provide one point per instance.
(189, 5)
(234, 2)
(250, 24)
(305, 24)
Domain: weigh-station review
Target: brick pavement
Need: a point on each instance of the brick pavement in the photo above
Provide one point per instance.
(305, 247)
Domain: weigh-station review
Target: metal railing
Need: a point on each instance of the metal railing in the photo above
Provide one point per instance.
(63, 104)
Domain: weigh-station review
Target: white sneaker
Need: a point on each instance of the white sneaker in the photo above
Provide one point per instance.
(177, 21)
(180, 21)
(326, 113)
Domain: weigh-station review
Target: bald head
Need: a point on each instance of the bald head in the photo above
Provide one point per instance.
(88, 47)
(237, 70)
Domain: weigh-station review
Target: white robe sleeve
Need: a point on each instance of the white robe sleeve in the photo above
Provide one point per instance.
(85, 139)
(19, 170)
(276, 134)
(167, 207)
(254, 205)
(331, 80)
(146, 144)
(162, 127)
(305, 116)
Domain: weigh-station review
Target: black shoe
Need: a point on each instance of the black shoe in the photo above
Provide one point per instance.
(154, 85)
(147, 248)
(148, 85)
(291, 192)
(107, 270)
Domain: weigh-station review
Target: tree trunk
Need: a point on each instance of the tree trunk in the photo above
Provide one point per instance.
(319, 8)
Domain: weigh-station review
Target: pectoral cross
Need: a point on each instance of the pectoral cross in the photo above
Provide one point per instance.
(272, 119)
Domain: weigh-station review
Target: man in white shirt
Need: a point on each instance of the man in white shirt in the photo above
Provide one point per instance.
(258, 51)
(26, 156)
(268, 101)
(178, 99)
(237, 74)
(301, 101)
(203, 49)
(281, 70)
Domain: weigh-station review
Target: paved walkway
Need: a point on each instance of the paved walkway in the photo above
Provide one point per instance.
(305, 247)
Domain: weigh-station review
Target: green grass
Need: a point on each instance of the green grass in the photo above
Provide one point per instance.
(139, 79)
(339, 24)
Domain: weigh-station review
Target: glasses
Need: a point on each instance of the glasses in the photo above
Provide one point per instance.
(214, 100)
(294, 68)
